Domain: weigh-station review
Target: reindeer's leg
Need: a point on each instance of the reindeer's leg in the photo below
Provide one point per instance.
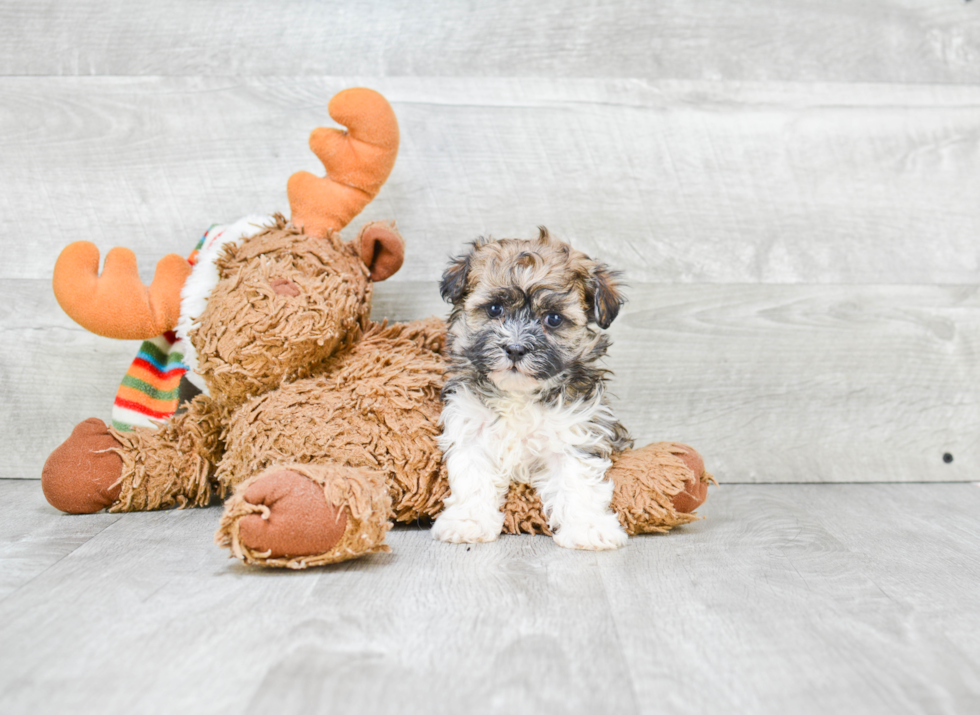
(99, 467)
(655, 489)
(300, 515)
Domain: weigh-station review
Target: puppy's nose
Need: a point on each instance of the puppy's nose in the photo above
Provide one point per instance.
(516, 352)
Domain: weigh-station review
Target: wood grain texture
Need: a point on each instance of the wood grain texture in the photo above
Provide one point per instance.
(913, 41)
(771, 383)
(31, 542)
(53, 374)
(806, 383)
(785, 598)
(808, 599)
(682, 182)
(792, 188)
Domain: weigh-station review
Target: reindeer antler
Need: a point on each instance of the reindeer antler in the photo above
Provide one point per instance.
(357, 162)
(117, 304)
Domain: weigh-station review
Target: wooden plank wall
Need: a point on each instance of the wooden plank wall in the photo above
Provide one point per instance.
(793, 190)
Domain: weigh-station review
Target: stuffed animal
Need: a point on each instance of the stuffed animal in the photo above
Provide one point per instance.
(318, 426)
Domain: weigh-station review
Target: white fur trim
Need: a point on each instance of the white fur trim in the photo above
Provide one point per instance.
(124, 416)
(204, 277)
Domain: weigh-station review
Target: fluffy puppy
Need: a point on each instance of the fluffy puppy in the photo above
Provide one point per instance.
(524, 398)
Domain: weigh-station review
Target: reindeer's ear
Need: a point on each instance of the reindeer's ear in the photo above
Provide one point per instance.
(603, 295)
(455, 278)
(381, 248)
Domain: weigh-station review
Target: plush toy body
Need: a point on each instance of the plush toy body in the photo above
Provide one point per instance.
(317, 425)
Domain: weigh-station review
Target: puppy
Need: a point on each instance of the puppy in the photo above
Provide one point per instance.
(525, 398)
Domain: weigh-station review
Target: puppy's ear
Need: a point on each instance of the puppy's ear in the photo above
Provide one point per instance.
(454, 280)
(603, 295)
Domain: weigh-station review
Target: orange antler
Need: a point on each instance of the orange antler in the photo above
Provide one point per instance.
(357, 162)
(117, 304)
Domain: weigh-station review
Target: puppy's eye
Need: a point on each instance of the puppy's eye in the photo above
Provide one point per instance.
(495, 310)
(553, 320)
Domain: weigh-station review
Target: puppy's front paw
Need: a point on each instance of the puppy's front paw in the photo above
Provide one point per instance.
(467, 526)
(599, 534)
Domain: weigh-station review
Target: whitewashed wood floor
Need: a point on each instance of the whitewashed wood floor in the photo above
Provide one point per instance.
(792, 190)
(823, 598)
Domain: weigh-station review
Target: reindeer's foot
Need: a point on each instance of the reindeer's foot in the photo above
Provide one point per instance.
(82, 476)
(296, 516)
(696, 486)
(658, 487)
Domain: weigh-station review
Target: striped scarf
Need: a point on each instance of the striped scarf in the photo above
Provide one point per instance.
(150, 391)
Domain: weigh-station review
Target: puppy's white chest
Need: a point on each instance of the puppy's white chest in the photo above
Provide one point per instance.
(519, 441)
(518, 436)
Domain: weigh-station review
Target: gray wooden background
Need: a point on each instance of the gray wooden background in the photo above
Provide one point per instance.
(793, 190)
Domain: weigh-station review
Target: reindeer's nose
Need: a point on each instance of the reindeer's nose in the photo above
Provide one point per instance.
(515, 352)
(284, 286)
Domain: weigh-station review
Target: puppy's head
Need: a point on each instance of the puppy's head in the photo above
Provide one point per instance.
(524, 310)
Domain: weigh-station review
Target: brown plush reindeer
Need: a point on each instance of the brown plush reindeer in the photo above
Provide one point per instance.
(318, 425)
